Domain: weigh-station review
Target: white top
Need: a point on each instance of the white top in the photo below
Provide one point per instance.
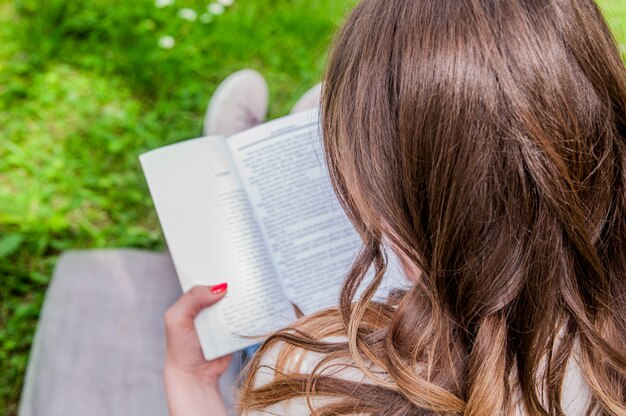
(575, 399)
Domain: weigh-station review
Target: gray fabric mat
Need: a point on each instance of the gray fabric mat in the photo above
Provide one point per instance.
(100, 342)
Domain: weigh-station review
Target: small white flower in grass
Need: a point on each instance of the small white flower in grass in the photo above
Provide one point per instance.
(226, 2)
(215, 8)
(206, 18)
(163, 3)
(188, 14)
(166, 42)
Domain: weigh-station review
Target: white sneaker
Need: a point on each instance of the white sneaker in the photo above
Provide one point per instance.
(240, 102)
(310, 99)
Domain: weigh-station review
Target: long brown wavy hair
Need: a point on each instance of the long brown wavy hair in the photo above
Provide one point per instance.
(485, 141)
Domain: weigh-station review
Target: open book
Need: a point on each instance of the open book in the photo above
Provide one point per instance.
(255, 210)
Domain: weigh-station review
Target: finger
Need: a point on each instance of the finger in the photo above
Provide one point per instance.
(192, 302)
(222, 363)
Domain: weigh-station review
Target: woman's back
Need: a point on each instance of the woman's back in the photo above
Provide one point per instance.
(484, 143)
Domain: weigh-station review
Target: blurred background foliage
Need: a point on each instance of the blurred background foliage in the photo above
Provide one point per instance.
(85, 87)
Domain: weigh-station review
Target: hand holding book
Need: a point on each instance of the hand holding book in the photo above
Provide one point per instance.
(257, 210)
(191, 382)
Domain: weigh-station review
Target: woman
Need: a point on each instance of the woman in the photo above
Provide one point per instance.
(484, 141)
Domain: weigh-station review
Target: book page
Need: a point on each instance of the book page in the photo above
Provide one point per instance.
(311, 240)
(212, 236)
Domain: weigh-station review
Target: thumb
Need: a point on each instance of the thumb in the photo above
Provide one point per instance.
(192, 302)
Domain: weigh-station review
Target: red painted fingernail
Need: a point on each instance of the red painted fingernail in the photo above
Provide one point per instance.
(221, 288)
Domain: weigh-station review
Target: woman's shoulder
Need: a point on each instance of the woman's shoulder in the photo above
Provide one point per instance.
(315, 343)
(283, 358)
(314, 349)
(301, 350)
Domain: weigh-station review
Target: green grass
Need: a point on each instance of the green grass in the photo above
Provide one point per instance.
(84, 89)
